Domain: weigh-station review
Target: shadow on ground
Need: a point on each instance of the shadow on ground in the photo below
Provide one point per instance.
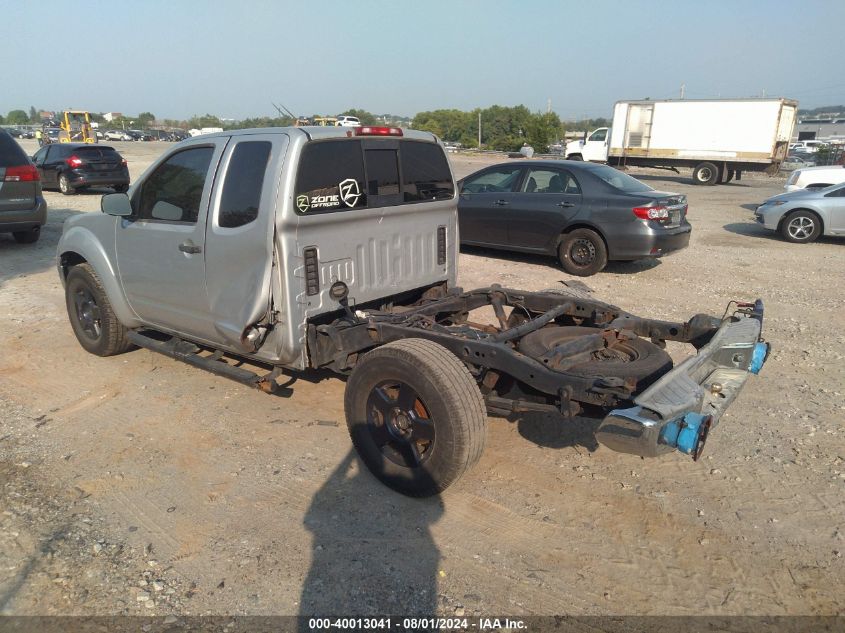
(554, 431)
(752, 229)
(373, 552)
(17, 260)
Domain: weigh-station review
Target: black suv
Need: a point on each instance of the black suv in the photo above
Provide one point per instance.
(71, 166)
(23, 210)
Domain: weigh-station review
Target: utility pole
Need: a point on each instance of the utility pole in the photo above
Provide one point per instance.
(479, 129)
(549, 106)
(764, 93)
(683, 89)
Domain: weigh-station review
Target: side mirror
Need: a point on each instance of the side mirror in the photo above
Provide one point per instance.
(116, 204)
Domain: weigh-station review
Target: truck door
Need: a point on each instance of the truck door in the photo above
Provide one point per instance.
(595, 147)
(542, 207)
(240, 234)
(160, 247)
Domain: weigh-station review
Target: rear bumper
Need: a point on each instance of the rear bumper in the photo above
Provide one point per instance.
(677, 411)
(88, 178)
(649, 242)
(24, 219)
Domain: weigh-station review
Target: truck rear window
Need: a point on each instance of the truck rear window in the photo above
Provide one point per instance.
(338, 175)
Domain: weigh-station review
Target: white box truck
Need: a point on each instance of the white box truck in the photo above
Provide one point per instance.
(717, 138)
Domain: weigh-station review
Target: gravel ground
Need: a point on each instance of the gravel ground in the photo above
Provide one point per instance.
(137, 485)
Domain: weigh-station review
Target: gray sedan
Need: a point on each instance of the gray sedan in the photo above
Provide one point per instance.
(583, 213)
(802, 216)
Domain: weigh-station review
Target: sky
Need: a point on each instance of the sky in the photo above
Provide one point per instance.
(232, 59)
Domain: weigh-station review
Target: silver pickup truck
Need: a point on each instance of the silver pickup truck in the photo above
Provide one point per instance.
(337, 248)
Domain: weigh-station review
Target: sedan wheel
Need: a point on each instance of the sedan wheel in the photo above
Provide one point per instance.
(801, 227)
(64, 185)
(582, 252)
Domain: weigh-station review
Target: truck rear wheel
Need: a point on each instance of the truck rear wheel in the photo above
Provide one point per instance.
(91, 316)
(415, 416)
(705, 174)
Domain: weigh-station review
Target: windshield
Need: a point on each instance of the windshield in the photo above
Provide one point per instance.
(618, 180)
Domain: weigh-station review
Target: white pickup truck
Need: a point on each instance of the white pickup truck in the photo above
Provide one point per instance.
(337, 248)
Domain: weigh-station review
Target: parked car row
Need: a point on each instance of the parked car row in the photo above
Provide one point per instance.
(143, 135)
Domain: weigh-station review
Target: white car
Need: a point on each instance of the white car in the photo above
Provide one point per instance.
(808, 147)
(815, 177)
(348, 121)
(117, 135)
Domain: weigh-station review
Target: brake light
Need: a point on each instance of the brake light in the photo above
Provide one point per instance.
(74, 161)
(651, 213)
(372, 130)
(123, 162)
(24, 173)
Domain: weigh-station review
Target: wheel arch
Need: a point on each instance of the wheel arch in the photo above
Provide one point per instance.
(78, 246)
(818, 215)
(581, 225)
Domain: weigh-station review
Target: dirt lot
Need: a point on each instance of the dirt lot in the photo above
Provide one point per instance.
(137, 485)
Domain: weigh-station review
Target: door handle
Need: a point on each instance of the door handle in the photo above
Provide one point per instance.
(501, 203)
(566, 205)
(190, 248)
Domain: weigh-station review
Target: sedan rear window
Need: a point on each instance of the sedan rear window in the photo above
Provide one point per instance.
(96, 153)
(618, 180)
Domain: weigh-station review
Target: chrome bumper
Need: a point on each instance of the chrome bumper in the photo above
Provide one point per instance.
(677, 411)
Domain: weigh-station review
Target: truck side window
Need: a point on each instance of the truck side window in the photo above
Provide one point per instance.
(425, 172)
(242, 187)
(598, 135)
(330, 177)
(174, 190)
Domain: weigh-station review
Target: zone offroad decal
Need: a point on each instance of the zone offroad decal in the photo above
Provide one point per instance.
(349, 194)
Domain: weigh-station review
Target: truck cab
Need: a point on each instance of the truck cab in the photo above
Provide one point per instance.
(593, 147)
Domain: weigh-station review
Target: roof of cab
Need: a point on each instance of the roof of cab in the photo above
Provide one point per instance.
(317, 132)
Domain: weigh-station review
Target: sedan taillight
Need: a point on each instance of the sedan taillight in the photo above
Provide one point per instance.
(24, 173)
(74, 161)
(661, 214)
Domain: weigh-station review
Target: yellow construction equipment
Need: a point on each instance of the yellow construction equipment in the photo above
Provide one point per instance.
(76, 127)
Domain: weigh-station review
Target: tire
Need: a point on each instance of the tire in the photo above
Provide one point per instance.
(635, 358)
(705, 174)
(801, 227)
(412, 387)
(120, 188)
(65, 186)
(27, 237)
(582, 252)
(91, 316)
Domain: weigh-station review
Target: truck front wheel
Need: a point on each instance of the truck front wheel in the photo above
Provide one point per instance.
(705, 174)
(415, 416)
(91, 316)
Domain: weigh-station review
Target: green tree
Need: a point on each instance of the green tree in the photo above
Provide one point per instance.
(145, 119)
(2, 119)
(207, 120)
(542, 130)
(33, 115)
(17, 117)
